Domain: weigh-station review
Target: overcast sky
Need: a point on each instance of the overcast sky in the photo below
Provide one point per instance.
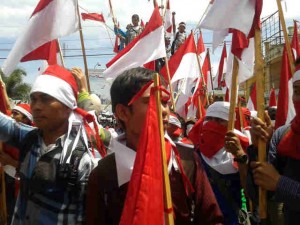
(14, 14)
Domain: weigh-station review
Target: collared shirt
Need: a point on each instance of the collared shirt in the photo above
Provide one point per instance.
(35, 208)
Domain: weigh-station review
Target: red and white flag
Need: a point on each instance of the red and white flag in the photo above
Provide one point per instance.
(168, 20)
(251, 105)
(148, 46)
(183, 64)
(225, 14)
(222, 68)
(272, 99)
(50, 20)
(93, 16)
(285, 107)
(206, 74)
(144, 203)
(295, 41)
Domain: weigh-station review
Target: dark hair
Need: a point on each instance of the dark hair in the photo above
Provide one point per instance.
(135, 16)
(126, 85)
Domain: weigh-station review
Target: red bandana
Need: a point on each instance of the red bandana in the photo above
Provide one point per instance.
(212, 138)
(289, 145)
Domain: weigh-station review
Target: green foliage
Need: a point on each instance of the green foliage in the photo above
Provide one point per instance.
(15, 87)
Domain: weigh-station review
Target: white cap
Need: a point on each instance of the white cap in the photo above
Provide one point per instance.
(219, 109)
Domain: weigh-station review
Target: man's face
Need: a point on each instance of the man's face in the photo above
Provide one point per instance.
(134, 117)
(19, 117)
(181, 28)
(48, 113)
(217, 120)
(135, 21)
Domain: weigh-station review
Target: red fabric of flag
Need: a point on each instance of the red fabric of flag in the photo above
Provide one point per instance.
(239, 43)
(144, 200)
(272, 100)
(295, 41)
(200, 45)
(93, 16)
(283, 94)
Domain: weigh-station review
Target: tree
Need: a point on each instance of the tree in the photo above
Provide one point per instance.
(15, 87)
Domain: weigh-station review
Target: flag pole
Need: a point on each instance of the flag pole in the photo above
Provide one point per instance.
(60, 53)
(211, 80)
(258, 70)
(169, 219)
(286, 37)
(3, 211)
(83, 50)
(233, 93)
(112, 13)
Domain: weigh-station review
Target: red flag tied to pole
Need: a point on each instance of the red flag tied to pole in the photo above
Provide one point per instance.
(144, 200)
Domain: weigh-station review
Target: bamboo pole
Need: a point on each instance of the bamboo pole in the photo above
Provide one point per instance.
(3, 210)
(83, 50)
(169, 219)
(233, 94)
(199, 105)
(112, 13)
(210, 72)
(241, 116)
(60, 53)
(286, 37)
(258, 70)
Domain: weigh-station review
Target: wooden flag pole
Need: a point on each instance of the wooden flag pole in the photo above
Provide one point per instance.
(112, 13)
(211, 80)
(233, 94)
(60, 53)
(169, 219)
(258, 71)
(241, 116)
(3, 208)
(83, 50)
(286, 37)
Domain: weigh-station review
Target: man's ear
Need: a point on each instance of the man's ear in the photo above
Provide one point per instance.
(122, 113)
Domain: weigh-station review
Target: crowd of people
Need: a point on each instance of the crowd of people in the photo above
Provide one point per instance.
(63, 165)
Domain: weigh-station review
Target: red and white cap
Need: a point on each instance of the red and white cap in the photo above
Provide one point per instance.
(59, 83)
(296, 75)
(24, 109)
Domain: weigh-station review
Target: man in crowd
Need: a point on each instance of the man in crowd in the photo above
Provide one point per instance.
(280, 174)
(55, 159)
(108, 182)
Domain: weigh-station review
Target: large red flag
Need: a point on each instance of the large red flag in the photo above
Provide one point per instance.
(144, 200)
(41, 30)
(93, 16)
(148, 46)
(285, 108)
(272, 100)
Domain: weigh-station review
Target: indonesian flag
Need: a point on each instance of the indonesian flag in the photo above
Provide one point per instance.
(272, 100)
(148, 46)
(93, 16)
(222, 68)
(142, 24)
(295, 41)
(183, 64)
(227, 98)
(168, 20)
(225, 14)
(251, 105)
(50, 20)
(285, 108)
(144, 203)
